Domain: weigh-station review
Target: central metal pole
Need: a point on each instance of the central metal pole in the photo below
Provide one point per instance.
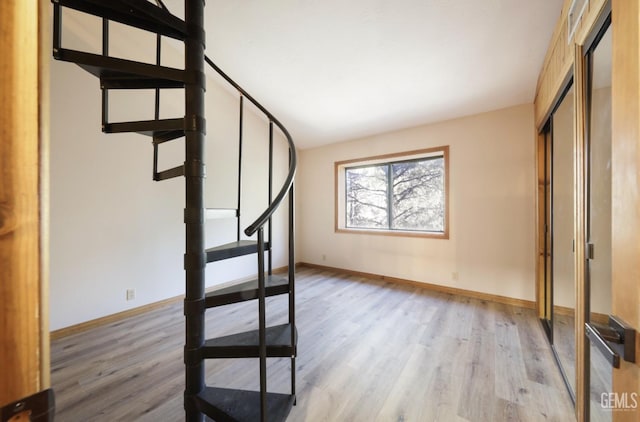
(195, 257)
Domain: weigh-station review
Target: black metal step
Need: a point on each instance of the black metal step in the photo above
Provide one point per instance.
(138, 13)
(228, 405)
(169, 174)
(117, 73)
(163, 137)
(147, 127)
(245, 345)
(274, 285)
(233, 249)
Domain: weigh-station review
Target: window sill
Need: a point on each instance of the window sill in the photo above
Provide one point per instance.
(396, 233)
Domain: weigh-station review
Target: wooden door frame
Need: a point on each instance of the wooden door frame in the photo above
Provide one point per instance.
(625, 119)
(24, 198)
(625, 198)
(563, 54)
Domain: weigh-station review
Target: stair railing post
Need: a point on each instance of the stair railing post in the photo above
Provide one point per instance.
(292, 285)
(157, 106)
(57, 28)
(269, 225)
(262, 327)
(105, 92)
(194, 171)
(240, 165)
(158, 62)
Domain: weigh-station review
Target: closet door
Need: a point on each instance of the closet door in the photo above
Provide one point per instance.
(599, 223)
(562, 260)
(556, 220)
(544, 216)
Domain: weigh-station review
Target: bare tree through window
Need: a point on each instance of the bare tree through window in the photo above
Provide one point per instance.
(403, 195)
(367, 197)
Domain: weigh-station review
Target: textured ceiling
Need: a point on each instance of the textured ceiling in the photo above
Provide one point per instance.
(333, 70)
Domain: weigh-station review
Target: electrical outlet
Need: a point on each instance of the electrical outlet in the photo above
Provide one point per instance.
(454, 275)
(131, 294)
(324, 257)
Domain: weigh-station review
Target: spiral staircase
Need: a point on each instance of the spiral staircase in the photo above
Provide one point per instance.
(279, 341)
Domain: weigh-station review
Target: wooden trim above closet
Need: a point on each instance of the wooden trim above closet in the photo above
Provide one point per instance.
(559, 59)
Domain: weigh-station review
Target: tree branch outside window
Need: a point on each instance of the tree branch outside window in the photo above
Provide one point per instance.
(407, 195)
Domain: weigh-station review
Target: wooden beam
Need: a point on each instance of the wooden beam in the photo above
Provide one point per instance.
(21, 317)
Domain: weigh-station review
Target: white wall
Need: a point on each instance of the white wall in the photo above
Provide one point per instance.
(492, 200)
(112, 227)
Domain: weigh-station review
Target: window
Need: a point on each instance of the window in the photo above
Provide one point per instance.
(400, 194)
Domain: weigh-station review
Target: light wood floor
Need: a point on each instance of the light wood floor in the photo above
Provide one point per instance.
(368, 350)
(600, 370)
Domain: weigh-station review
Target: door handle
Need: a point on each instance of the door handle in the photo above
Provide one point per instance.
(608, 333)
(37, 407)
(588, 251)
(598, 340)
(615, 340)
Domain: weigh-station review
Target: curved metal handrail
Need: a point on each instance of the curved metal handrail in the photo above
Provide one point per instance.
(286, 187)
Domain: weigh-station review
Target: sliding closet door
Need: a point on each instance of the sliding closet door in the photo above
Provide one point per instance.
(556, 214)
(544, 198)
(562, 213)
(598, 65)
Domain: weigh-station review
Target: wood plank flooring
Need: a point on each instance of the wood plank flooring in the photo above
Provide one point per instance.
(600, 370)
(368, 351)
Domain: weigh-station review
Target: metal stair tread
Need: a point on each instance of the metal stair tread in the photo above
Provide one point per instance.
(233, 249)
(169, 173)
(138, 13)
(167, 136)
(147, 127)
(116, 73)
(246, 344)
(230, 405)
(248, 290)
